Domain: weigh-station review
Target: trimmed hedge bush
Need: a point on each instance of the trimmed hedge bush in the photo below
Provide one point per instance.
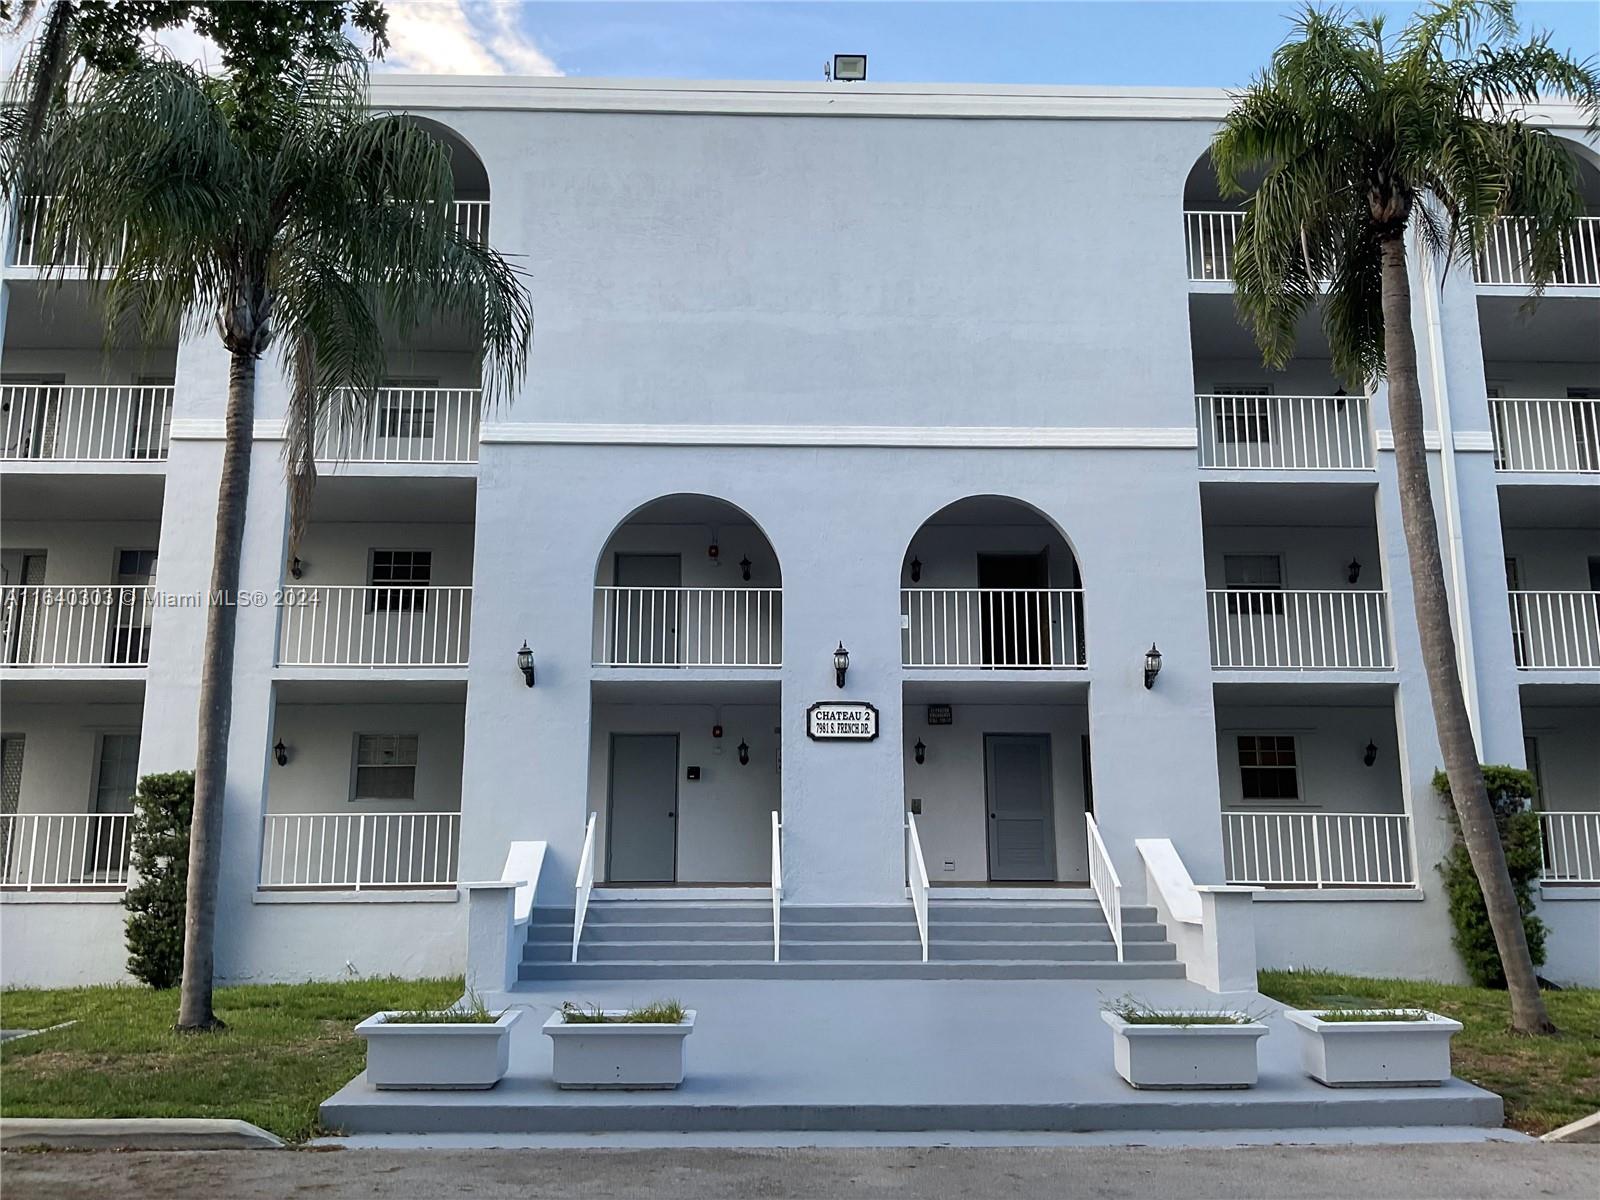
(1510, 791)
(164, 805)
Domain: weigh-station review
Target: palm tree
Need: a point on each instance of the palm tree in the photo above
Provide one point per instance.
(291, 215)
(1357, 138)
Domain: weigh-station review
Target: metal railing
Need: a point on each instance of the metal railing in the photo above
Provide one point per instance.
(1317, 849)
(77, 851)
(1556, 631)
(1275, 630)
(1104, 880)
(777, 881)
(33, 244)
(1546, 435)
(1504, 258)
(352, 851)
(1282, 433)
(993, 628)
(408, 425)
(917, 880)
(1210, 237)
(413, 625)
(58, 422)
(1570, 843)
(688, 627)
(584, 885)
(63, 625)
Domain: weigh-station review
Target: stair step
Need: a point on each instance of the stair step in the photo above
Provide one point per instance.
(847, 969)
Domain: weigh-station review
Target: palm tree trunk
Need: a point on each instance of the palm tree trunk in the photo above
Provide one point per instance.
(1473, 811)
(216, 701)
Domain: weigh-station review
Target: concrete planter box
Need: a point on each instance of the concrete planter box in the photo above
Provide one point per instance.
(1375, 1053)
(617, 1056)
(1185, 1056)
(464, 1057)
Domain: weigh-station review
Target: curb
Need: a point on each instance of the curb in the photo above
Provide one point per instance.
(1583, 1131)
(135, 1133)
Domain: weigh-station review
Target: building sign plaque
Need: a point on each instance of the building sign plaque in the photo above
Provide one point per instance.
(841, 721)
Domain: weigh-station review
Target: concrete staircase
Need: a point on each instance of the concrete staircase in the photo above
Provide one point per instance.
(732, 939)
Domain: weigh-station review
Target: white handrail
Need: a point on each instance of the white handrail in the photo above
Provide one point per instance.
(688, 627)
(1105, 882)
(64, 625)
(57, 422)
(993, 628)
(1272, 629)
(1546, 436)
(917, 878)
(777, 879)
(1210, 237)
(80, 851)
(1504, 257)
(344, 850)
(1556, 631)
(406, 425)
(1318, 849)
(384, 625)
(585, 884)
(1279, 433)
(1570, 846)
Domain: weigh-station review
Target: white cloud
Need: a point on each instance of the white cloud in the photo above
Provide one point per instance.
(462, 37)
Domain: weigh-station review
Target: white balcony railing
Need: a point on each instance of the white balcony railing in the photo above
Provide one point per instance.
(33, 244)
(1317, 849)
(1556, 631)
(352, 851)
(993, 628)
(688, 627)
(1546, 435)
(56, 625)
(408, 425)
(1105, 882)
(1281, 433)
(1210, 237)
(78, 851)
(375, 626)
(1273, 630)
(1504, 260)
(1571, 846)
(53, 422)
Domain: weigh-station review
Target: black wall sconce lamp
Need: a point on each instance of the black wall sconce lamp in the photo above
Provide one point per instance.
(280, 754)
(1339, 399)
(525, 662)
(296, 567)
(841, 664)
(1370, 755)
(714, 552)
(1353, 571)
(920, 751)
(744, 753)
(916, 570)
(1152, 666)
(744, 568)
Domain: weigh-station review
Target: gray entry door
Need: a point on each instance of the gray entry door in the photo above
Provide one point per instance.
(1021, 828)
(642, 816)
(647, 617)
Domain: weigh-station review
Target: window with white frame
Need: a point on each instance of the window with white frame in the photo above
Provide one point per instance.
(1251, 575)
(1240, 417)
(1268, 772)
(398, 580)
(385, 768)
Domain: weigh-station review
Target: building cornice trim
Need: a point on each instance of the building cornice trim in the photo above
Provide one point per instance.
(1430, 439)
(1474, 439)
(1177, 437)
(214, 429)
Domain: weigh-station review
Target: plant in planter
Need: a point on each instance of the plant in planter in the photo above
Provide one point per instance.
(1183, 1048)
(1374, 1047)
(465, 1048)
(640, 1047)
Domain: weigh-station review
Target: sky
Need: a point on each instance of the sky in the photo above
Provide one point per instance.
(1200, 43)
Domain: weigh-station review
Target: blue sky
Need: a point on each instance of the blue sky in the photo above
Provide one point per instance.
(1151, 42)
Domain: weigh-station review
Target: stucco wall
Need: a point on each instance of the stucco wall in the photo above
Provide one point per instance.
(1572, 939)
(320, 739)
(80, 552)
(60, 755)
(1568, 741)
(62, 944)
(1329, 744)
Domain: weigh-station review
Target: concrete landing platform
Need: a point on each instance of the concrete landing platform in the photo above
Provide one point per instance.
(897, 1056)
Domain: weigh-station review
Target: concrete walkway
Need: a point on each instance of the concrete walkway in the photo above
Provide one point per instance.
(1494, 1171)
(897, 1055)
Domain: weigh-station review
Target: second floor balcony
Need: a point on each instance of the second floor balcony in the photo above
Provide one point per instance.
(1504, 259)
(55, 625)
(1556, 631)
(407, 425)
(688, 627)
(1282, 433)
(1558, 436)
(375, 626)
(78, 423)
(993, 628)
(1282, 630)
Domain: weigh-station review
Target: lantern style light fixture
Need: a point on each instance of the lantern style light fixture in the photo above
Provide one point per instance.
(280, 753)
(714, 551)
(744, 568)
(744, 753)
(841, 664)
(921, 752)
(296, 567)
(1353, 571)
(1339, 398)
(525, 662)
(1152, 666)
(916, 570)
(1370, 755)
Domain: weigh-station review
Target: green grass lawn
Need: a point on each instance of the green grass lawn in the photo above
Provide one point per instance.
(287, 1048)
(1546, 1082)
